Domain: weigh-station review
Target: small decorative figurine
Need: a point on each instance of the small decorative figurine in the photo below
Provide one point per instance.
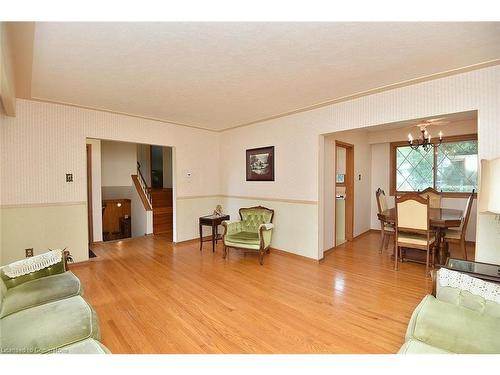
(218, 210)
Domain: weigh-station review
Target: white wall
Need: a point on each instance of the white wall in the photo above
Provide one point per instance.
(48, 140)
(300, 146)
(119, 162)
(96, 189)
(7, 87)
(141, 219)
(1, 177)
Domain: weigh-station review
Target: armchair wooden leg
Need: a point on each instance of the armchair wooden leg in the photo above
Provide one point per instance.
(261, 257)
(224, 254)
(268, 251)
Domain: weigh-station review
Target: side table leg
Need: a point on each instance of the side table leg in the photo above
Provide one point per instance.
(213, 237)
(201, 237)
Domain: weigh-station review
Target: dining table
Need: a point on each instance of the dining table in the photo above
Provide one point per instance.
(439, 220)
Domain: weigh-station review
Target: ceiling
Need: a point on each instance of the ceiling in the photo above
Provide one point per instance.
(442, 120)
(222, 75)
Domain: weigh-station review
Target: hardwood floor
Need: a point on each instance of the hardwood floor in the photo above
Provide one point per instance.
(153, 297)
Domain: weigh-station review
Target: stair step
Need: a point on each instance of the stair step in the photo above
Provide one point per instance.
(161, 197)
(163, 210)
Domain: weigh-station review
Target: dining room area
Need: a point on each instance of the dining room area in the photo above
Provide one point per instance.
(414, 182)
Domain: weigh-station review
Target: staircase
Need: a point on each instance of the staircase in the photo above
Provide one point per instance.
(162, 211)
(159, 201)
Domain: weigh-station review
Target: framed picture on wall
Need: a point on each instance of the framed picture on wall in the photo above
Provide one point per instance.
(260, 164)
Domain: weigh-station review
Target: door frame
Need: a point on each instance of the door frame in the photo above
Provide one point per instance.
(349, 185)
(90, 222)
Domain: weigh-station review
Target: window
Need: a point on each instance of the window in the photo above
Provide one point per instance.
(449, 168)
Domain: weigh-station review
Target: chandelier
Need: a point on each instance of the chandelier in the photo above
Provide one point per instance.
(425, 138)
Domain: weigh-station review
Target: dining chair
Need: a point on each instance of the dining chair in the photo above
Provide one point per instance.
(433, 195)
(413, 227)
(386, 228)
(458, 235)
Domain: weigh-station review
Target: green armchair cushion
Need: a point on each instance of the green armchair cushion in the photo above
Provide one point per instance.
(88, 346)
(454, 328)
(39, 291)
(252, 218)
(244, 237)
(48, 327)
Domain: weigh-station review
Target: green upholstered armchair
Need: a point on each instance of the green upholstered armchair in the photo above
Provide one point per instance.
(252, 232)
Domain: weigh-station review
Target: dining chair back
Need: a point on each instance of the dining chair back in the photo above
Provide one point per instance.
(413, 226)
(386, 228)
(468, 209)
(458, 236)
(433, 196)
(381, 200)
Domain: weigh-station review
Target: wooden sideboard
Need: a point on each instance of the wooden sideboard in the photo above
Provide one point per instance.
(113, 211)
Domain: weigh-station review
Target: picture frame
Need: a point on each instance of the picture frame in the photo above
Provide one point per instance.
(260, 164)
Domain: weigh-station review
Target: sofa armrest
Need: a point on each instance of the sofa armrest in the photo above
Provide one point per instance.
(54, 269)
(231, 227)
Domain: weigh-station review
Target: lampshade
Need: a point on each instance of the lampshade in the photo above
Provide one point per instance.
(489, 190)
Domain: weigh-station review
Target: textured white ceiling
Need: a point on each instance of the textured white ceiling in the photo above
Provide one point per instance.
(442, 119)
(220, 75)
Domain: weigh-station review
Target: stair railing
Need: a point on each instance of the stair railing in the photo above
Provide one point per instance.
(144, 185)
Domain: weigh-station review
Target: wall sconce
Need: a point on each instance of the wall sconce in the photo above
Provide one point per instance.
(119, 204)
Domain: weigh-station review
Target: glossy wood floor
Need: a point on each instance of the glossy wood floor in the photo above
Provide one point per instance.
(152, 297)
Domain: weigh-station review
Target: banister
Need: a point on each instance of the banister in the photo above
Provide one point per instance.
(144, 184)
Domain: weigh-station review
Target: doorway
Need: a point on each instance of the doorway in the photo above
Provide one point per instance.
(344, 192)
(89, 195)
(156, 158)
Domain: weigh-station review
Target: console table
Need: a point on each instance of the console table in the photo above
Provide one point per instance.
(212, 221)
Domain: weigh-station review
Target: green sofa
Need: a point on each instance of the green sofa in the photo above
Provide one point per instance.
(463, 318)
(44, 312)
(253, 232)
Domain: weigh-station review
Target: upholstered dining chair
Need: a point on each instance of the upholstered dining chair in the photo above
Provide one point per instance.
(433, 195)
(386, 228)
(413, 227)
(458, 235)
(253, 232)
